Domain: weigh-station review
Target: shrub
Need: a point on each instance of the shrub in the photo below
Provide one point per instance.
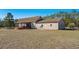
(71, 25)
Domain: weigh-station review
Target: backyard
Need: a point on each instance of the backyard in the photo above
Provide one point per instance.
(39, 39)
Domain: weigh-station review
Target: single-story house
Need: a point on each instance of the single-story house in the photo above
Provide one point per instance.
(27, 23)
(39, 23)
(51, 24)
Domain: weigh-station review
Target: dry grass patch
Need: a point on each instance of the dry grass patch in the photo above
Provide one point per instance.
(38, 39)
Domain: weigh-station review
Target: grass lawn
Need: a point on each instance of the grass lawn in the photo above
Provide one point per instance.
(43, 39)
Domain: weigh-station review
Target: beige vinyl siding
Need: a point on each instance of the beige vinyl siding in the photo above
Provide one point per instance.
(48, 26)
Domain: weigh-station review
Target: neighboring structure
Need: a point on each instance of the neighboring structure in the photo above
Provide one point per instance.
(39, 23)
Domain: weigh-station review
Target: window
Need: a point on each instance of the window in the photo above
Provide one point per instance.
(50, 25)
(41, 26)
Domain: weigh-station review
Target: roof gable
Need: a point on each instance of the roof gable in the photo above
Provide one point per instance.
(31, 19)
(50, 20)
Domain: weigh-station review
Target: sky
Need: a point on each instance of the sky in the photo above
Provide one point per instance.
(23, 13)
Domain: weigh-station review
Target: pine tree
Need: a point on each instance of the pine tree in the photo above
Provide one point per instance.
(9, 21)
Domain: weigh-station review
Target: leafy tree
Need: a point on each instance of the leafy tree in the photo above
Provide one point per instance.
(1, 23)
(71, 25)
(77, 22)
(9, 21)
